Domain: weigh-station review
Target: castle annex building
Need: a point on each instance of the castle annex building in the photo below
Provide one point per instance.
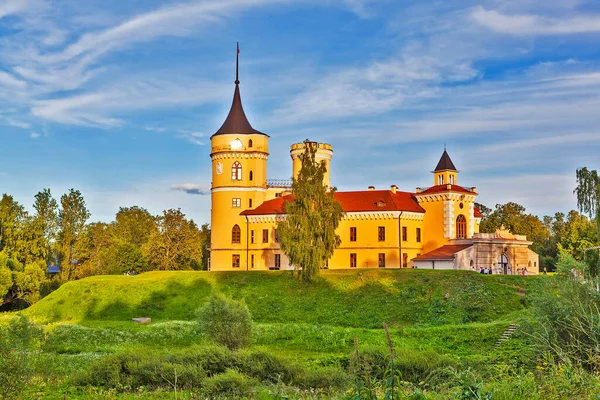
(435, 227)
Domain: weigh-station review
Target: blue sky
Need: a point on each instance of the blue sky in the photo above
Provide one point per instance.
(119, 98)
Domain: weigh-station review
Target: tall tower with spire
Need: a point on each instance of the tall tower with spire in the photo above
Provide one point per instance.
(449, 207)
(239, 179)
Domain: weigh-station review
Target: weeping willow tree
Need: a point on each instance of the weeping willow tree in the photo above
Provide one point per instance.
(588, 193)
(307, 235)
(588, 201)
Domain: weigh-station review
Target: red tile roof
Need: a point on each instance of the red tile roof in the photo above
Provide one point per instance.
(477, 213)
(359, 201)
(444, 188)
(446, 252)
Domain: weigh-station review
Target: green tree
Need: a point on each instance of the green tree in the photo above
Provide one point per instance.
(176, 244)
(46, 211)
(6, 281)
(226, 321)
(134, 225)
(307, 235)
(514, 218)
(588, 193)
(72, 217)
(94, 249)
(12, 219)
(205, 243)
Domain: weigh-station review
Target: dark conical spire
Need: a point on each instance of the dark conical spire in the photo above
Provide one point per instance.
(445, 163)
(236, 121)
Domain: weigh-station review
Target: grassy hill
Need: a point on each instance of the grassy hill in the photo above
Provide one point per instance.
(351, 298)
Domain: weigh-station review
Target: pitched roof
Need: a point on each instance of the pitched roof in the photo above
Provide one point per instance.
(444, 188)
(358, 201)
(236, 121)
(445, 163)
(446, 252)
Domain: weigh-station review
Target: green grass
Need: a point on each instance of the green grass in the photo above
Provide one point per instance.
(443, 324)
(349, 298)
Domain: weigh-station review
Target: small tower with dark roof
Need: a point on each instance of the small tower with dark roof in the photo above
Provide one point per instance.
(445, 173)
(239, 180)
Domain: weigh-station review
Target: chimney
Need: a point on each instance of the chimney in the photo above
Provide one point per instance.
(371, 187)
(473, 189)
(418, 190)
(394, 188)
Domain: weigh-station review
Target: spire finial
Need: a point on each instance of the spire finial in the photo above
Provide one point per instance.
(444, 146)
(237, 62)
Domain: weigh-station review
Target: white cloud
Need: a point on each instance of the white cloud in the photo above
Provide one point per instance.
(531, 24)
(9, 80)
(34, 135)
(17, 124)
(380, 87)
(10, 7)
(193, 137)
(95, 109)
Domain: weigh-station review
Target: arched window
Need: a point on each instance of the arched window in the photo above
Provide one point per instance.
(236, 171)
(471, 264)
(440, 180)
(251, 175)
(461, 227)
(452, 179)
(250, 143)
(236, 234)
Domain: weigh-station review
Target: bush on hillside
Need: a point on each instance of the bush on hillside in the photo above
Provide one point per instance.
(226, 321)
(568, 311)
(16, 365)
(230, 384)
(214, 369)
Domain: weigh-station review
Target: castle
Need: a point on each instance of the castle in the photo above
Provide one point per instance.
(435, 227)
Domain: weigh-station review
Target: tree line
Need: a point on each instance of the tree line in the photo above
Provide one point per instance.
(571, 234)
(57, 233)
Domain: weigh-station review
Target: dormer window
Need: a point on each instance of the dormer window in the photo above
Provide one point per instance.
(380, 203)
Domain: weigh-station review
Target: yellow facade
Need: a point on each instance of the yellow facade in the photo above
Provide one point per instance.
(380, 228)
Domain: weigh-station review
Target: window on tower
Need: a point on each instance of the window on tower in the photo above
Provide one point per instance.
(251, 175)
(440, 179)
(250, 143)
(452, 179)
(236, 202)
(236, 234)
(236, 171)
(461, 227)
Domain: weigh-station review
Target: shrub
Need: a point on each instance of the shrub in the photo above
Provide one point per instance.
(324, 378)
(229, 384)
(189, 368)
(568, 311)
(226, 321)
(130, 370)
(266, 367)
(16, 365)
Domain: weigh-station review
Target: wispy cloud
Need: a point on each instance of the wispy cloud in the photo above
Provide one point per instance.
(10, 7)
(193, 137)
(191, 188)
(531, 24)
